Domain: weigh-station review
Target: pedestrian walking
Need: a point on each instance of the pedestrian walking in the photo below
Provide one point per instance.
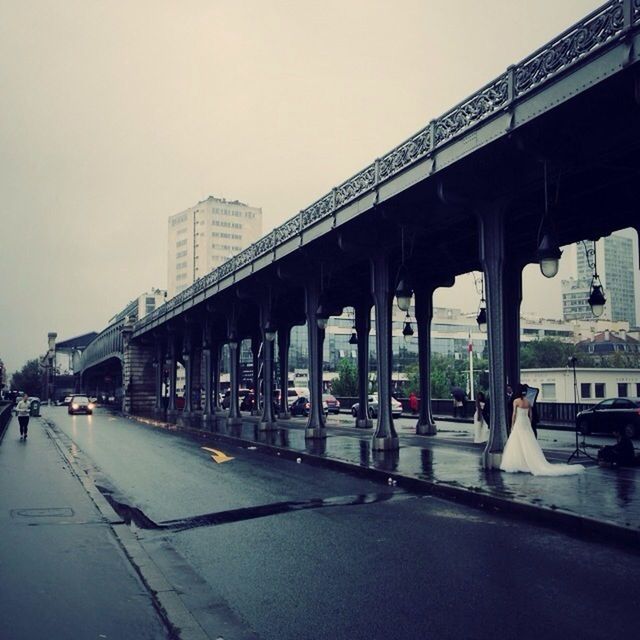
(22, 410)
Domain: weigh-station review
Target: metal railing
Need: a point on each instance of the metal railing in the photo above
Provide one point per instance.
(5, 417)
(559, 414)
(587, 38)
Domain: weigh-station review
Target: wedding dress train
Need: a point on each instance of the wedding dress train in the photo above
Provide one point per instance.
(523, 453)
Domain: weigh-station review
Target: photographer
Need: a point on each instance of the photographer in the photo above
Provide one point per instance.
(620, 454)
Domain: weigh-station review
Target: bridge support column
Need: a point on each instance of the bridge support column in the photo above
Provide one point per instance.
(511, 319)
(284, 340)
(207, 410)
(234, 417)
(363, 329)
(315, 425)
(385, 438)
(255, 356)
(172, 364)
(492, 254)
(138, 375)
(216, 357)
(268, 420)
(426, 425)
(159, 363)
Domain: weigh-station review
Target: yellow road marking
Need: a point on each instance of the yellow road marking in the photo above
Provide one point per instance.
(217, 455)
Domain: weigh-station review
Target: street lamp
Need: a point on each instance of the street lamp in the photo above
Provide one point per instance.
(548, 252)
(481, 318)
(407, 330)
(269, 331)
(597, 299)
(404, 290)
(322, 315)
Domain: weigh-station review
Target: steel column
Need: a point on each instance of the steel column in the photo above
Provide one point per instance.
(426, 425)
(315, 425)
(284, 340)
(363, 329)
(268, 420)
(385, 437)
(492, 255)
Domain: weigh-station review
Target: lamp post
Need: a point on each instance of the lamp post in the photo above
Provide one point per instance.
(548, 252)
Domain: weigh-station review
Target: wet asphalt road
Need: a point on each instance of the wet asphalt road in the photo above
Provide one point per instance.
(256, 552)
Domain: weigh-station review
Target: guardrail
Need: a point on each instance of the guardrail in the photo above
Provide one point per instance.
(5, 417)
(549, 413)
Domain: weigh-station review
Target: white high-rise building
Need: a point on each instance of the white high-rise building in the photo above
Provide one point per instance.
(206, 235)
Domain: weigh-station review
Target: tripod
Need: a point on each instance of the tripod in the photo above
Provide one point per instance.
(580, 446)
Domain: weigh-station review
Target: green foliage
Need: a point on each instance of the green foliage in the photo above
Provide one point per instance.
(545, 353)
(346, 384)
(28, 379)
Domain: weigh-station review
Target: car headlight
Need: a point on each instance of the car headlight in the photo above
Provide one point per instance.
(91, 405)
(75, 406)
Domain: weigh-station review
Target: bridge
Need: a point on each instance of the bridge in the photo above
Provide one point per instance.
(544, 155)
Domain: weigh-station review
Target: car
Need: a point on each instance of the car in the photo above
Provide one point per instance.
(302, 406)
(294, 393)
(610, 413)
(396, 407)
(332, 403)
(80, 404)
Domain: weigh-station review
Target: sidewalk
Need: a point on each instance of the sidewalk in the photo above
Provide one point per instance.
(64, 572)
(604, 503)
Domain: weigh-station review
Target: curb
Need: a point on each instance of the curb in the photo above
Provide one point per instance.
(179, 621)
(554, 517)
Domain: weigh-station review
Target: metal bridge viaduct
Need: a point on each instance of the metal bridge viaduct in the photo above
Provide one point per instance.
(546, 154)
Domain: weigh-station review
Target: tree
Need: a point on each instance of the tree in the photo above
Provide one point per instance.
(545, 353)
(28, 379)
(346, 384)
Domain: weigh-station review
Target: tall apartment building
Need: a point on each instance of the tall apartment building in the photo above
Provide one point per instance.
(616, 267)
(204, 236)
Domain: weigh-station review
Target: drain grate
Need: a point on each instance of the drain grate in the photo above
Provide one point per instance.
(48, 512)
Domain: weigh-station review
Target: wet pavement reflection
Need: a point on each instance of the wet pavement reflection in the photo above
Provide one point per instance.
(452, 460)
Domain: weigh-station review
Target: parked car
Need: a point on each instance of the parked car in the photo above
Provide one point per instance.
(80, 404)
(302, 406)
(610, 413)
(396, 407)
(294, 393)
(332, 403)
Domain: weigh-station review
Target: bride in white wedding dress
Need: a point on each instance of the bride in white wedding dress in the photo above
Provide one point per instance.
(522, 451)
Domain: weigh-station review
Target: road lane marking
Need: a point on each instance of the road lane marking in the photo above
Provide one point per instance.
(217, 455)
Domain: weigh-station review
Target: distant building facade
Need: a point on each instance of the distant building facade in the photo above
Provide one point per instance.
(593, 385)
(204, 236)
(144, 304)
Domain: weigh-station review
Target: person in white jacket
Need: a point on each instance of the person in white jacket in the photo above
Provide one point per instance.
(22, 409)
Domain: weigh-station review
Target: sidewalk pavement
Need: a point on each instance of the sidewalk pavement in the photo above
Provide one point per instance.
(603, 503)
(63, 552)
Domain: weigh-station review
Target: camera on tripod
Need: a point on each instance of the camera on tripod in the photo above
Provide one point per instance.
(571, 361)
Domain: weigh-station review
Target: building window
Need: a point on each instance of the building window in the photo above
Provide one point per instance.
(623, 389)
(599, 389)
(585, 390)
(548, 391)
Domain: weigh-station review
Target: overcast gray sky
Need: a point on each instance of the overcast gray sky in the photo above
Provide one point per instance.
(115, 115)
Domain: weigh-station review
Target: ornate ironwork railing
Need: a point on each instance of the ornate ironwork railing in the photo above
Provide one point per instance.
(581, 41)
(104, 345)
